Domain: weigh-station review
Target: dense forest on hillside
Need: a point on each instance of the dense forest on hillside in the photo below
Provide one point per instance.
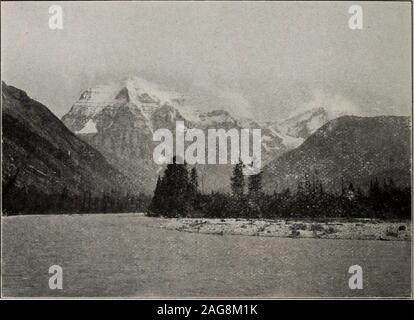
(29, 200)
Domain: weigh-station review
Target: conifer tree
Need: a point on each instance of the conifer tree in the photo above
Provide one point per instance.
(156, 201)
(193, 184)
(237, 180)
(194, 179)
(255, 184)
(171, 193)
(192, 193)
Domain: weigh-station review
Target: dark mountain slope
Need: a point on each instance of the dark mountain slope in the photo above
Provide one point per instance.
(40, 152)
(355, 149)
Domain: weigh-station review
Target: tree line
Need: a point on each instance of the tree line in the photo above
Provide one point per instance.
(30, 200)
(177, 195)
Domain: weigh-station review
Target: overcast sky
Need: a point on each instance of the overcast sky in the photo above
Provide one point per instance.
(261, 59)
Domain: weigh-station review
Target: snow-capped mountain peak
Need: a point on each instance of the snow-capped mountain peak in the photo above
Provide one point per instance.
(135, 91)
(119, 120)
(143, 91)
(303, 123)
(322, 107)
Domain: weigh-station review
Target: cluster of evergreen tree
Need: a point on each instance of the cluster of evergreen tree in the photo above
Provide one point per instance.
(311, 200)
(177, 195)
(29, 200)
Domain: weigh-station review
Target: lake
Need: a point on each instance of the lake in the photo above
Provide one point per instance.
(130, 255)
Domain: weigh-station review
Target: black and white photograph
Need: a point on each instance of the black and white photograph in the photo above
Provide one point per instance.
(206, 149)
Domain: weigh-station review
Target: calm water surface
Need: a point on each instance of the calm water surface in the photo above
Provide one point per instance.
(129, 255)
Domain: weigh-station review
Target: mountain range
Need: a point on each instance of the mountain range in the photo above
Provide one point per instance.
(119, 119)
(105, 142)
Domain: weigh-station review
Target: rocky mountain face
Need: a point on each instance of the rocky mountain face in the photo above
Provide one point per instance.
(40, 152)
(119, 120)
(303, 124)
(349, 148)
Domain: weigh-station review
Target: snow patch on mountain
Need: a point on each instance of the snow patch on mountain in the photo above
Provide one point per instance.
(312, 116)
(100, 95)
(143, 91)
(90, 127)
(314, 113)
(190, 112)
(135, 90)
(215, 117)
(289, 141)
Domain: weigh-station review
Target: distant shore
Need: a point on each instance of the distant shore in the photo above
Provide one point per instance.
(320, 228)
(356, 229)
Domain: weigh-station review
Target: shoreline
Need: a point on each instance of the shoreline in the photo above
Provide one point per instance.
(357, 229)
(305, 228)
